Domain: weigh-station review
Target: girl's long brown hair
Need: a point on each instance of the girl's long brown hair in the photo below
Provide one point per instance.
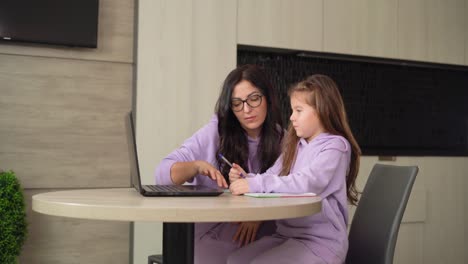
(323, 95)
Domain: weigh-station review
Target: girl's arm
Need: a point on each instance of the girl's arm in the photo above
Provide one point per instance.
(315, 176)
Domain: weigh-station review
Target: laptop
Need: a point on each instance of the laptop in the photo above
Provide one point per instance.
(159, 190)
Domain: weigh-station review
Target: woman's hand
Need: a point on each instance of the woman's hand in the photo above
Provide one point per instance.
(239, 187)
(205, 168)
(236, 173)
(246, 232)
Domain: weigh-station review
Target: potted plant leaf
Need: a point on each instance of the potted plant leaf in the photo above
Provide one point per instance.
(13, 226)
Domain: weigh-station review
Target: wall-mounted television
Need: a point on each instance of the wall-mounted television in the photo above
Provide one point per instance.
(57, 22)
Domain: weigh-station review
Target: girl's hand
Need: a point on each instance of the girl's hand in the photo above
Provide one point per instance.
(236, 173)
(205, 168)
(239, 187)
(246, 232)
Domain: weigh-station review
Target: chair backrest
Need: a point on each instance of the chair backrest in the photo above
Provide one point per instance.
(374, 230)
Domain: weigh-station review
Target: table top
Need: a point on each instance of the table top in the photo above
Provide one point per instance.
(126, 204)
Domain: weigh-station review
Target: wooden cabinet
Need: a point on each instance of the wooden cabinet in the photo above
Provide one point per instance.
(295, 24)
(422, 30)
(361, 27)
(412, 30)
(431, 30)
(213, 55)
(446, 30)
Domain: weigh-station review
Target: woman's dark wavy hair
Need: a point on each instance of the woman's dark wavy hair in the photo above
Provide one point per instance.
(233, 142)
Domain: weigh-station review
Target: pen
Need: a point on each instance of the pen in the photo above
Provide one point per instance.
(229, 163)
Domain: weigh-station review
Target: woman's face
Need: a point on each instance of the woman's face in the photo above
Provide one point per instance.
(249, 106)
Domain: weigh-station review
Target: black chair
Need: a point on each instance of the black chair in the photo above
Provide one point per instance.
(374, 229)
(155, 259)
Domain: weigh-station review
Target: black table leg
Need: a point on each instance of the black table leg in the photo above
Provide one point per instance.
(178, 243)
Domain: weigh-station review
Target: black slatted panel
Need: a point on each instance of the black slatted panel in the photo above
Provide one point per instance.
(395, 107)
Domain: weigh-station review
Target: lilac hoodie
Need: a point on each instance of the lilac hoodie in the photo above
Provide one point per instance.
(203, 146)
(320, 167)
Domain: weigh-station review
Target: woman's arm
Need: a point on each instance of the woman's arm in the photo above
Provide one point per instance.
(182, 172)
(192, 159)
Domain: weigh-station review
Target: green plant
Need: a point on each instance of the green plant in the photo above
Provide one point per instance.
(13, 226)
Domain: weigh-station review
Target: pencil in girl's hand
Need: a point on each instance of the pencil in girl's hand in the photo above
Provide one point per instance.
(229, 163)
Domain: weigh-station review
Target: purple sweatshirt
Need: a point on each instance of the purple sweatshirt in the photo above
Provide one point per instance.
(203, 146)
(321, 167)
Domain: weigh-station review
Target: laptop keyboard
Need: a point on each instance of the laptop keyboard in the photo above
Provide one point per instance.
(168, 188)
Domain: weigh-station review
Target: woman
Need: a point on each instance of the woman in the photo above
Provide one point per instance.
(247, 130)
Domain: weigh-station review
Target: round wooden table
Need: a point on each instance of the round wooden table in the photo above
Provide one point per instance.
(178, 214)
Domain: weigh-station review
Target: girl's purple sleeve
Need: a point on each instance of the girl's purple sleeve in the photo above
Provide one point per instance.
(200, 146)
(313, 175)
(255, 184)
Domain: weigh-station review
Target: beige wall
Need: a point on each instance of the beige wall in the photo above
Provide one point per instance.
(185, 49)
(433, 229)
(61, 126)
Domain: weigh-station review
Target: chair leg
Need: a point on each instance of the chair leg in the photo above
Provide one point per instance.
(155, 259)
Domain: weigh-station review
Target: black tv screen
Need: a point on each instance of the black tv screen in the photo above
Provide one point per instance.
(57, 22)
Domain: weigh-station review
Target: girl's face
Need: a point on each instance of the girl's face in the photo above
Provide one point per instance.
(249, 105)
(304, 118)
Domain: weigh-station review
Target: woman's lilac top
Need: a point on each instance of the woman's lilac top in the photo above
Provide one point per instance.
(320, 167)
(203, 146)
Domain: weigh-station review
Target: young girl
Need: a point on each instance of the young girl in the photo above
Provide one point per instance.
(320, 155)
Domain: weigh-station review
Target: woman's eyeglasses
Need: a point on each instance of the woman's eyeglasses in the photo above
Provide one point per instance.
(253, 100)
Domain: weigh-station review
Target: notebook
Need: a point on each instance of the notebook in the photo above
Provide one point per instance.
(280, 195)
(159, 190)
